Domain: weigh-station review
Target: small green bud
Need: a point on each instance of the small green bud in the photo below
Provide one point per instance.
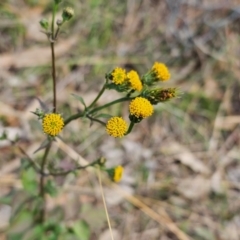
(59, 22)
(102, 161)
(157, 95)
(39, 113)
(57, 1)
(67, 13)
(44, 23)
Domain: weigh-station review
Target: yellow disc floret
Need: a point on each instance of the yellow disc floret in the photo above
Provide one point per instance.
(52, 124)
(140, 107)
(116, 127)
(118, 172)
(134, 80)
(118, 76)
(161, 71)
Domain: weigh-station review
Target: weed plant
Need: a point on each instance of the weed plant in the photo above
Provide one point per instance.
(141, 93)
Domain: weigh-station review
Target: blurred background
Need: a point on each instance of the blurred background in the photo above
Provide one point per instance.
(182, 169)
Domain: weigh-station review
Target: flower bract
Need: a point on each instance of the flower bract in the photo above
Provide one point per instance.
(116, 127)
(160, 94)
(140, 107)
(52, 124)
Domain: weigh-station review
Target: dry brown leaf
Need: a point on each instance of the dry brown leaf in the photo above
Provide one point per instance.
(106, 235)
(227, 123)
(187, 158)
(194, 188)
(216, 182)
(5, 214)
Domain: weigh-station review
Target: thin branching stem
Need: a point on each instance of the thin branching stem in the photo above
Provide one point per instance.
(96, 120)
(73, 117)
(52, 42)
(130, 128)
(109, 104)
(56, 34)
(54, 77)
(98, 96)
(41, 184)
(81, 114)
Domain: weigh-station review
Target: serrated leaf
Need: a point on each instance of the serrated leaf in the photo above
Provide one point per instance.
(81, 229)
(80, 99)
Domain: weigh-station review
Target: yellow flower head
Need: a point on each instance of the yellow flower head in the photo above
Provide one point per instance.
(118, 76)
(52, 124)
(116, 127)
(134, 80)
(161, 71)
(140, 107)
(118, 172)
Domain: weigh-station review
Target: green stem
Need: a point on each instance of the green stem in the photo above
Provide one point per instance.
(81, 114)
(96, 120)
(69, 171)
(41, 184)
(73, 117)
(98, 96)
(53, 19)
(54, 78)
(130, 128)
(56, 34)
(52, 42)
(109, 104)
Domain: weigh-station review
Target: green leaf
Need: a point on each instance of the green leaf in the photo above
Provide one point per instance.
(6, 200)
(51, 188)
(204, 233)
(43, 145)
(43, 105)
(34, 233)
(20, 224)
(81, 229)
(3, 136)
(94, 216)
(80, 99)
(44, 23)
(29, 181)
